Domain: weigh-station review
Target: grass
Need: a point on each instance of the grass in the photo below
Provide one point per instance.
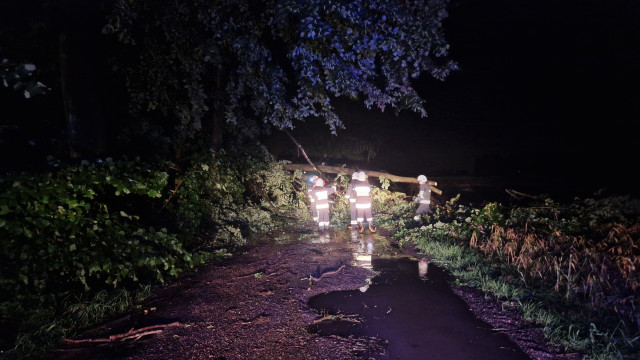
(45, 324)
(488, 250)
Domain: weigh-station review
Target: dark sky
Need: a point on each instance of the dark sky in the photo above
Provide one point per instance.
(547, 88)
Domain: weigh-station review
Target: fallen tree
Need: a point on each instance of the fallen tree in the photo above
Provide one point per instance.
(349, 171)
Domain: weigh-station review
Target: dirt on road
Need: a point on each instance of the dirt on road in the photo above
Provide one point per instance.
(254, 306)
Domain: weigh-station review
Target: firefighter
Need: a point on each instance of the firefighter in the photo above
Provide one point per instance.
(312, 200)
(321, 197)
(363, 202)
(350, 198)
(423, 198)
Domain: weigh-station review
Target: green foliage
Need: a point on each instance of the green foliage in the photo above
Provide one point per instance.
(384, 183)
(78, 226)
(86, 225)
(278, 61)
(224, 197)
(76, 239)
(390, 205)
(205, 194)
(580, 259)
(279, 191)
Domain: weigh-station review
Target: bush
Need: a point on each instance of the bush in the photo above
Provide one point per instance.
(78, 226)
(96, 231)
(579, 259)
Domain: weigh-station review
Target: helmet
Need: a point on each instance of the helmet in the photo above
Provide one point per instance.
(319, 182)
(422, 178)
(312, 180)
(354, 176)
(362, 176)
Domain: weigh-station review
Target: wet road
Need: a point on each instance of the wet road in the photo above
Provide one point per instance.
(411, 308)
(225, 311)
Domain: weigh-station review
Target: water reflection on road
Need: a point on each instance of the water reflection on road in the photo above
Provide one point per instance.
(410, 306)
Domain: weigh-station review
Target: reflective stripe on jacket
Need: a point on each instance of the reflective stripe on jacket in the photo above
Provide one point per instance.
(363, 192)
(425, 194)
(321, 194)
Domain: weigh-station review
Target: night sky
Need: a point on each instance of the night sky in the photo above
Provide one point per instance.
(547, 89)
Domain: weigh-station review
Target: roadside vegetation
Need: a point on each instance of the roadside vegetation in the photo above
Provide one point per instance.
(572, 268)
(86, 242)
(80, 243)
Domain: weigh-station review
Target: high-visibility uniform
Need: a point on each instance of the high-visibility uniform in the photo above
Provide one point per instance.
(363, 201)
(312, 203)
(351, 197)
(321, 196)
(424, 199)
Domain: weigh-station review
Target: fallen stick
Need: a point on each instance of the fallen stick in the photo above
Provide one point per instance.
(351, 318)
(137, 334)
(326, 273)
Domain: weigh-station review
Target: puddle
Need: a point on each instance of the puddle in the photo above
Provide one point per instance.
(410, 307)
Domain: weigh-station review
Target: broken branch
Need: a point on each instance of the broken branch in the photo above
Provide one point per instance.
(138, 333)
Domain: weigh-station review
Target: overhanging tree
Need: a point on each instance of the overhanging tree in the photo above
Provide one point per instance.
(56, 48)
(244, 67)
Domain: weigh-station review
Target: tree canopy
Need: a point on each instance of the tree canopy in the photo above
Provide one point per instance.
(195, 70)
(254, 65)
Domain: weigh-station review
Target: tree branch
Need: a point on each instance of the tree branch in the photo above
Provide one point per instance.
(304, 153)
(154, 329)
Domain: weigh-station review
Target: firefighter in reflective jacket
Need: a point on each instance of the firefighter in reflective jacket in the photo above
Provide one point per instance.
(350, 197)
(363, 202)
(423, 198)
(312, 199)
(321, 196)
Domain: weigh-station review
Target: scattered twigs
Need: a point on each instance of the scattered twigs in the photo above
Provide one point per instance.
(134, 334)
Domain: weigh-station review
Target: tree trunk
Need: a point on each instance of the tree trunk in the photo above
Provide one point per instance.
(217, 128)
(69, 111)
(348, 171)
(81, 71)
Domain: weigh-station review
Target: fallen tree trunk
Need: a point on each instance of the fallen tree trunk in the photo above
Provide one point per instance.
(348, 171)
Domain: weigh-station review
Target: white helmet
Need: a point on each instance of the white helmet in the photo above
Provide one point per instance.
(422, 178)
(354, 176)
(362, 176)
(319, 182)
